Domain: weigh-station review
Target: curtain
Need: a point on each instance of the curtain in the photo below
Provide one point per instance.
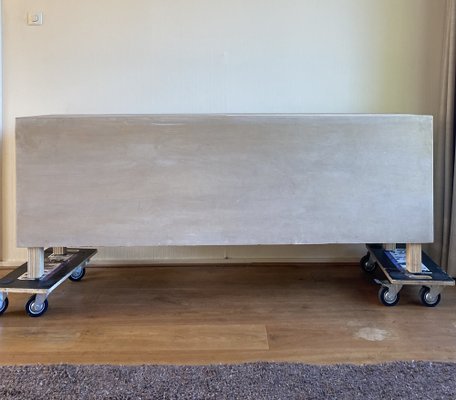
(443, 250)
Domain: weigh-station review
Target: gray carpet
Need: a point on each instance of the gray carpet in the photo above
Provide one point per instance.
(414, 380)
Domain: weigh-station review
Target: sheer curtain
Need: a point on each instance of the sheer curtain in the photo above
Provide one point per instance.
(444, 248)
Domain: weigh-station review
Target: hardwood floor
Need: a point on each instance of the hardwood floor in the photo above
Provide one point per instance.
(225, 314)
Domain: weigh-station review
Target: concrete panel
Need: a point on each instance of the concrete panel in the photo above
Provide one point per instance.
(223, 179)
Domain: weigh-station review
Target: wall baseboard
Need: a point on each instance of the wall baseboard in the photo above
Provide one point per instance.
(227, 261)
(4, 265)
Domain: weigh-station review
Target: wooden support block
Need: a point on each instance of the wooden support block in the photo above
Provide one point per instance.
(413, 257)
(389, 246)
(59, 250)
(35, 263)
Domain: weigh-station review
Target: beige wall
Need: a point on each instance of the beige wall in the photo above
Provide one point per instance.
(203, 56)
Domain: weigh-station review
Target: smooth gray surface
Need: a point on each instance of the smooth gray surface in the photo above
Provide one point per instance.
(223, 179)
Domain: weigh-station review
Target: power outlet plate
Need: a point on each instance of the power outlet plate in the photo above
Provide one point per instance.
(35, 18)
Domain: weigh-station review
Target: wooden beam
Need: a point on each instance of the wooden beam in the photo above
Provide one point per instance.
(389, 246)
(35, 262)
(413, 257)
(59, 250)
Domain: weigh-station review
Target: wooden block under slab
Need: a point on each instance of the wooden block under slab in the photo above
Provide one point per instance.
(389, 246)
(413, 257)
(35, 264)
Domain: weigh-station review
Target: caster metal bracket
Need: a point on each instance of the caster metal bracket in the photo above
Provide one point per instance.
(393, 288)
(38, 304)
(78, 270)
(434, 292)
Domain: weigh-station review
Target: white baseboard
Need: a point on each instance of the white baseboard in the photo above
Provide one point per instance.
(203, 261)
(10, 264)
(181, 261)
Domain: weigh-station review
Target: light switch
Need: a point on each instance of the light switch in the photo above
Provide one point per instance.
(35, 18)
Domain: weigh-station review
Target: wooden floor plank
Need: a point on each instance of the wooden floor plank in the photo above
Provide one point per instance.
(138, 338)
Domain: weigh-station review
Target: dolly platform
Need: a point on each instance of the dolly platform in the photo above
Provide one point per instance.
(59, 264)
(431, 278)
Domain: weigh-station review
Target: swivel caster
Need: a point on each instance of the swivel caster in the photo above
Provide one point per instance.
(366, 264)
(3, 305)
(36, 310)
(429, 299)
(387, 297)
(77, 274)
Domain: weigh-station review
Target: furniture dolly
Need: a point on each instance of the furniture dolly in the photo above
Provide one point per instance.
(88, 181)
(431, 278)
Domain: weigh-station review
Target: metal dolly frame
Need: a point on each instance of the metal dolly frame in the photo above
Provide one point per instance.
(432, 283)
(58, 264)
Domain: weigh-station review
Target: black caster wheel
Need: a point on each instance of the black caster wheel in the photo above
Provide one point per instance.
(367, 266)
(32, 310)
(426, 298)
(386, 298)
(4, 305)
(77, 274)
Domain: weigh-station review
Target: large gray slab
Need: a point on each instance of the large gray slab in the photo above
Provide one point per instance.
(223, 179)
